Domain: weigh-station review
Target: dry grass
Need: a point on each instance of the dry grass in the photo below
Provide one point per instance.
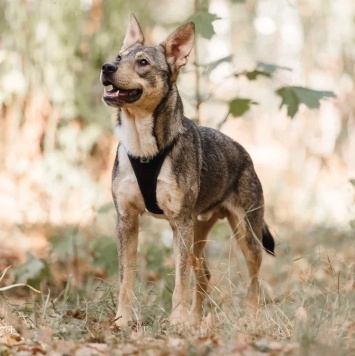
(308, 305)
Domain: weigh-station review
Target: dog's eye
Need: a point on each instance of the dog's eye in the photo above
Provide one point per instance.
(118, 58)
(143, 62)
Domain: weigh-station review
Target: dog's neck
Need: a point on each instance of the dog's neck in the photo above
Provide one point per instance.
(144, 133)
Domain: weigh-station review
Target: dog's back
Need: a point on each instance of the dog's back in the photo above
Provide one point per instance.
(224, 163)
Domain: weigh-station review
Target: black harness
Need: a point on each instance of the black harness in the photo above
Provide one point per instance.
(147, 171)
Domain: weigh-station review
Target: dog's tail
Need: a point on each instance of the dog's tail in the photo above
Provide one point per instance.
(268, 240)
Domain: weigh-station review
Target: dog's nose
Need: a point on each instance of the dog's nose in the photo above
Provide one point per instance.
(109, 68)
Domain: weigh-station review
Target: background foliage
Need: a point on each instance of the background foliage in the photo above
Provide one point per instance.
(276, 76)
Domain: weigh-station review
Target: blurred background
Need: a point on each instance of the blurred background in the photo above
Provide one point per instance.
(57, 137)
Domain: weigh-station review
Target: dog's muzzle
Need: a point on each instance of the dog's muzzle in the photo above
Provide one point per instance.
(115, 95)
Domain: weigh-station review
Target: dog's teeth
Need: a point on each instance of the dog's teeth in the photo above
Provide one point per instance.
(109, 87)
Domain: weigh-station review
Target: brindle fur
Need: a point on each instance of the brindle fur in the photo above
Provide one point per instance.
(205, 177)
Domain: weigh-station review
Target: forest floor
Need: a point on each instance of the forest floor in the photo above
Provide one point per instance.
(308, 301)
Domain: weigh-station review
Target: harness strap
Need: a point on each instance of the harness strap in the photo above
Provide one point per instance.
(147, 171)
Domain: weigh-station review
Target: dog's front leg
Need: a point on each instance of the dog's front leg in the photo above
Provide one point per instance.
(183, 240)
(127, 241)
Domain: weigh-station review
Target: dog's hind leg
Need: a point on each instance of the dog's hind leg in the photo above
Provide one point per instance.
(247, 229)
(202, 274)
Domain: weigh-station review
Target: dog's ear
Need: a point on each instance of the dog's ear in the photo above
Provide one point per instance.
(178, 46)
(134, 33)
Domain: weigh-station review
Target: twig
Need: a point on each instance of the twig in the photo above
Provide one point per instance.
(16, 284)
(3, 274)
(197, 73)
(223, 121)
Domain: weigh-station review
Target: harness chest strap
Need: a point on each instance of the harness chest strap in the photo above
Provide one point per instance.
(147, 171)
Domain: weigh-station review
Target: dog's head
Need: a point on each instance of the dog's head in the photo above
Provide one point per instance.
(142, 75)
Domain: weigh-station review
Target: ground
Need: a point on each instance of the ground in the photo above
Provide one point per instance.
(308, 296)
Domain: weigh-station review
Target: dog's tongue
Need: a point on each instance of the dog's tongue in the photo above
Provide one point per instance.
(124, 92)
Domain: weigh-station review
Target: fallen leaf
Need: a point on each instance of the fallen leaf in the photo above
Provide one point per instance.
(194, 261)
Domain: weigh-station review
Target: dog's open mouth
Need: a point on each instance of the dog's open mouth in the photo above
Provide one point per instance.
(113, 94)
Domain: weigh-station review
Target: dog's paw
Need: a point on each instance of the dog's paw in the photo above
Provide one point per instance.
(258, 296)
(122, 320)
(196, 319)
(180, 316)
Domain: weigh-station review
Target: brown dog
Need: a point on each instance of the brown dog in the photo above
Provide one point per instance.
(168, 166)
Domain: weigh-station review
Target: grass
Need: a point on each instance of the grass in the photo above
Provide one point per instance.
(308, 297)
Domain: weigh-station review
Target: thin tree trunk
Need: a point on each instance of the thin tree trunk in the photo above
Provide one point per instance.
(197, 74)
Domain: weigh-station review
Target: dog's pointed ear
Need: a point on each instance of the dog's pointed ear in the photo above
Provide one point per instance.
(134, 33)
(178, 46)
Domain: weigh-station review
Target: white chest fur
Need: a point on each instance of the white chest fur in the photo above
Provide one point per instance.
(136, 135)
(125, 186)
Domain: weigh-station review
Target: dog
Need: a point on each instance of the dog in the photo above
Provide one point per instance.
(170, 167)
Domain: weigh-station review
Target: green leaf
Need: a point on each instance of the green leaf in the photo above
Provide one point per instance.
(270, 68)
(238, 106)
(289, 99)
(212, 65)
(32, 271)
(264, 69)
(252, 75)
(203, 22)
(312, 97)
(293, 96)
